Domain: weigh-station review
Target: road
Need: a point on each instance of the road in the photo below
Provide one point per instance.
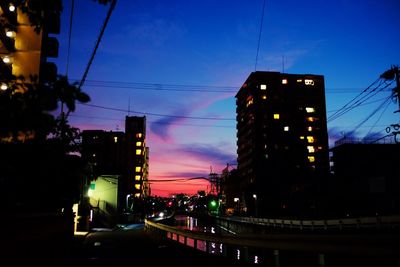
(127, 247)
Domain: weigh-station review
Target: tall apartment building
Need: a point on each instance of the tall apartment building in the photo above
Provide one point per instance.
(282, 142)
(25, 48)
(136, 185)
(123, 155)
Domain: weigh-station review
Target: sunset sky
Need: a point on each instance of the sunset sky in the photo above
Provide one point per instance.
(180, 63)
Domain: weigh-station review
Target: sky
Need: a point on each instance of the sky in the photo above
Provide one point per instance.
(181, 62)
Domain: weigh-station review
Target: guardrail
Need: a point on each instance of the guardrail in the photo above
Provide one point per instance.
(229, 245)
(344, 223)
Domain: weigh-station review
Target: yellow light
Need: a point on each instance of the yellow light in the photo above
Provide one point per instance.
(310, 109)
(137, 186)
(138, 169)
(310, 139)
(284, 81)
(3, 86)
(309, 128)
(311, 149)
(264, 97)
(276, 116)
(139, 135)
(138, 151)
(10, 34)
(299, 80)
(137, 177)
(7, 60)
(309, 82)
(138, 143)
(301, 137)
(311, 158)
(115, 139)
(263, 86)
(11, 7)
(311, 119)
(137, 195)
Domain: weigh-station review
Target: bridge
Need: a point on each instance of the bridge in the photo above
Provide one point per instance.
(368, 241)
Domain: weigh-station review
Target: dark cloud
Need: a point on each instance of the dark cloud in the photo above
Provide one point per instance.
(211, 153)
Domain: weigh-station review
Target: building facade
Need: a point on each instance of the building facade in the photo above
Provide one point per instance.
(282, 143)
(366, 176)
(123, 155)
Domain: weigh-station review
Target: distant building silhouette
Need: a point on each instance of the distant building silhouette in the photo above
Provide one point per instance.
(123, 155)
(367, 179)
(282, 143)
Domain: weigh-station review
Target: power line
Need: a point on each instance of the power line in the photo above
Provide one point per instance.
(112, 5)
(259, 34)
(157, 114)
(154, 122)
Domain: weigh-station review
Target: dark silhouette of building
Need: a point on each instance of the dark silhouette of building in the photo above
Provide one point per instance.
(367, 179)
(123, 155)
(282, 143)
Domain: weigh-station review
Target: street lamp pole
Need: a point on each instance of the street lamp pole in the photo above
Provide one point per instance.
(255, 205)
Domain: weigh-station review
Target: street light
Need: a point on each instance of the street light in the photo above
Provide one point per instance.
(236, 200)
(255, 205)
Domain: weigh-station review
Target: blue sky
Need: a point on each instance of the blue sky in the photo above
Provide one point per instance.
(182, 62)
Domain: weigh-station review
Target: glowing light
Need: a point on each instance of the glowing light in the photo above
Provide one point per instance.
(139, 135)
(138, 151)
(264, 97)
(137, 186)
(310, 139)
(311, 149)
(137, 177)
(276, 116)
(7, 60)
(310, 110)
(311, 158)
(263, 86)
(311, 119)
(309, 82)
(137, 195)
(138, 143)
(115, 139)
(11, 7)
(284, 81)
(138, 169)
(10, 34)
(3, 86)
(286, 128)
(301, 137)
(309, 129)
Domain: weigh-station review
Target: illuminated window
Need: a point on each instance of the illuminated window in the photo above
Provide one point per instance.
(301, 137)
(310, 139)
(276, 116)
(138, 169)
(311, 158)
(299, 80)
(311, 149)
(286, 128)
(11, 7)
(263, 86)
(249, 101)
(309, 82)
(137, 195)
(138, 143)
(264, 97)
(309, 128)
(7, 60)
(138, 151)
(3, 86)
(10, 34)
(137, 186)
(139, 135)
(137, 177)
(115, 139)
(310, 110)
(284, 81)
(311, 119)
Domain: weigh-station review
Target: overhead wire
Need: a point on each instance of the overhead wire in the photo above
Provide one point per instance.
(158, 114)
